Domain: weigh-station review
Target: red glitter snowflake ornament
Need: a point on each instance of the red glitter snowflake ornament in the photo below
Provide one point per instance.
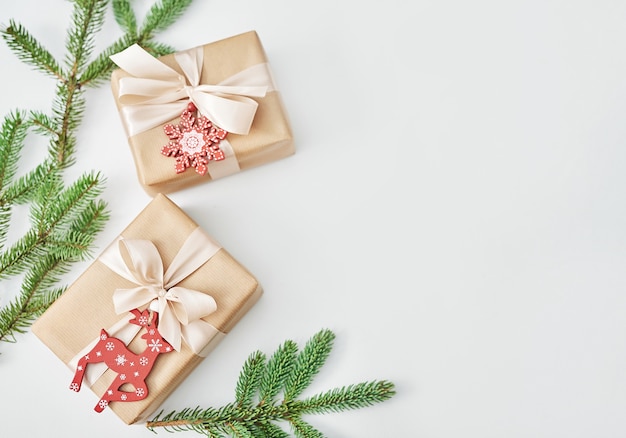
(194, 142)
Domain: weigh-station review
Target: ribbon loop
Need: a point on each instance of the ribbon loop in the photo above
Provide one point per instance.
(228, 104)
(180, 309)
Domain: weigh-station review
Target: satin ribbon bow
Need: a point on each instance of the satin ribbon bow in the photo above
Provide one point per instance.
(155, 93)
(180, 309)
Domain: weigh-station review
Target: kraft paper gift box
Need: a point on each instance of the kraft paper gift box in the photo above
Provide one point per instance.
(75, 320)
(232, 77)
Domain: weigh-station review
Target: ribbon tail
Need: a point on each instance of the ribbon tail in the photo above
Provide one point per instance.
(198, 335)
(198, 248)
(234, 114)
(189, 305)
(169, 326)
(258, 75)
(138, 91)
(141, 118)
(138, 62)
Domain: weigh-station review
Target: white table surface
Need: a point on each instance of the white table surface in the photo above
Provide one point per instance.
(455, 212)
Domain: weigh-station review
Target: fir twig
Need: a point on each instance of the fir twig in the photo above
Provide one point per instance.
(31, 51)
(64, 219)
(261, 381)
(162, 15)
(12, 137)
(124, 16)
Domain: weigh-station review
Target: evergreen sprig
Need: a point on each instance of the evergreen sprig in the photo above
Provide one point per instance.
(258, 405)
(64, 218)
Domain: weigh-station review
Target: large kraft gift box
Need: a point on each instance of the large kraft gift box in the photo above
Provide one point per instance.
(76, 318)
(269, 137)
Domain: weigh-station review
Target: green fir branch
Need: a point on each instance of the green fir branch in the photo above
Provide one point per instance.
(28, 49)
(302, 429)
(261, 381)
(269, 430)
(20, 255)
(99, 70)
(125, 16)
(249, 379)
(52, 215)
(67, 109)
(44, 124)
(346, 398)
(58, 208)
(36, 295)
(87, 19)
(279, 368)
(162, 15)
(308, 363)
(64, 220)
(44, 270)
(12, 135)
(25, 188)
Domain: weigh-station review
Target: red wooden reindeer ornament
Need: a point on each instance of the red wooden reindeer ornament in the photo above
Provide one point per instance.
(131, 368)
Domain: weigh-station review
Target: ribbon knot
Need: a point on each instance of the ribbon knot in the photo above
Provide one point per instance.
(189, 90)
(155, 93)
(180, 309)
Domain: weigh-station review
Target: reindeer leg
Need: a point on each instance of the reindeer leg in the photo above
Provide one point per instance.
(90, 357)
(78, 376)
(140, 392)
(111, 394)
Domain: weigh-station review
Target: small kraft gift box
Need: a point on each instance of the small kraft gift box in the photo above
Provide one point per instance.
(147, 311)
(200, 114)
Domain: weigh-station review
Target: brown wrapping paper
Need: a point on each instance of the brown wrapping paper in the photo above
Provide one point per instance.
(269, 138)
(75, 319)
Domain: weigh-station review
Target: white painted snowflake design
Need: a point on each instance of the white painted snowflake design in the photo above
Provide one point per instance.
(143, 361)
(74, 387)
(143, 320)
(140, 392)
(109, 346)
(103, 404)
(194, 142)
(103, 336)
(123, 397)
(120, 359)
(155, 345)
(122, 376)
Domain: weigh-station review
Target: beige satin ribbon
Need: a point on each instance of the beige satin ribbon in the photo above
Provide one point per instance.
(180, 309)
(155, 93)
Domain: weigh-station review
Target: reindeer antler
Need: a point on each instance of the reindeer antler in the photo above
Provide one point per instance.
(142, 319)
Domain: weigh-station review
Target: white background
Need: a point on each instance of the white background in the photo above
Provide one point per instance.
(455, 212)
